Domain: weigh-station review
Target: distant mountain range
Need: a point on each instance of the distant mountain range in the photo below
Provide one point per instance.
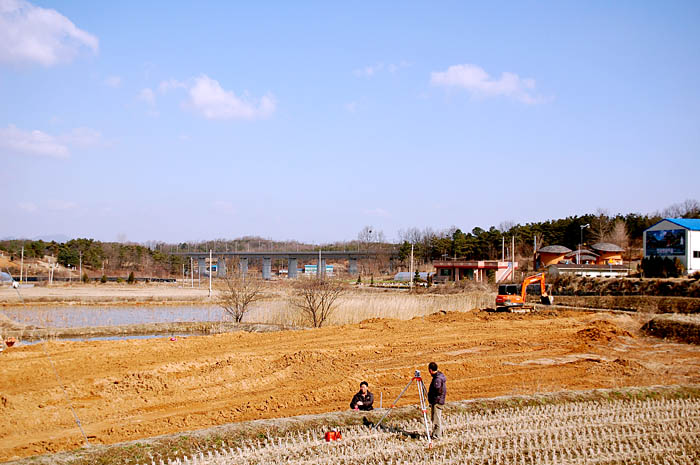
(44, 237)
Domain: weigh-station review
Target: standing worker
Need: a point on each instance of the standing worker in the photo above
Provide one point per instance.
(364, 399)
(436, 398)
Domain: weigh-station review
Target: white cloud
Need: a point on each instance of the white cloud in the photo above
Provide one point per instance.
(170, 84)
(351, 107)
(113, 81)
(14, 141)
(147, 95)
(61, 205)
(211, 101)
(28, 207)
(474, 79)
(371, 70)
(368, 71)
(31, 34)
(36, 143)
(83, 138)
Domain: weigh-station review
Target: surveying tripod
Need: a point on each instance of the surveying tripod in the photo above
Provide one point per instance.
(423, 396)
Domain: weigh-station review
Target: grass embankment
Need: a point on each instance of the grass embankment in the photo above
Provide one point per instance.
(636, 303)
(359, 304)
(681, 328)
(171, 447)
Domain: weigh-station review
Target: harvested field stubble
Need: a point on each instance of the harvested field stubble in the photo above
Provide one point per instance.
(615, 432)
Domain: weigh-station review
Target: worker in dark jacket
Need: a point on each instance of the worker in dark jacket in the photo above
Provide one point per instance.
(436, 398)
(364, 399)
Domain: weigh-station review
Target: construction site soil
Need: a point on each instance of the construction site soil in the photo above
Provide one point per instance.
(130, 389)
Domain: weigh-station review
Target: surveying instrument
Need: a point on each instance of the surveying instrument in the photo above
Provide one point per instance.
(423, 396)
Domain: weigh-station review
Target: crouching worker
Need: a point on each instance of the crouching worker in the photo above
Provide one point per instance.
(364, 399)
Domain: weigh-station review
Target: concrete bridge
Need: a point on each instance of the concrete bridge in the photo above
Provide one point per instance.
(291, 257)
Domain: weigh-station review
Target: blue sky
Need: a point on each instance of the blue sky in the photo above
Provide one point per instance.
(182, 121)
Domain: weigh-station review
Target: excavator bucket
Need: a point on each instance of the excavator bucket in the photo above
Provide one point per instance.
(546, 299)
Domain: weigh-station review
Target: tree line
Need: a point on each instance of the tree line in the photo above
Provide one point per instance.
(160, 258)
(488, 244)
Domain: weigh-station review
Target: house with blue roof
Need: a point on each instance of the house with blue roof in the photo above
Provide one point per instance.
(675, 238)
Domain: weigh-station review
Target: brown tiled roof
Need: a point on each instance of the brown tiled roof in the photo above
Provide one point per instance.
(554, 249)
(607, 247)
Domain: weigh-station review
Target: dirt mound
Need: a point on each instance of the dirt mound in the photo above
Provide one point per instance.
(448, 317)
(601, 331)
(129, 389)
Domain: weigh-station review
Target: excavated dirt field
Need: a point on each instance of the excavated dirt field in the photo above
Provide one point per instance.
(124, 390)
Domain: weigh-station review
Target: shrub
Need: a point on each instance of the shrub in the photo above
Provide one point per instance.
(103, 279)
(85, 278)
(131, 279)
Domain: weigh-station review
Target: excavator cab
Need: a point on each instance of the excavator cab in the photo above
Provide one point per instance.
(514, 295)
(508, 289)
(508, 296)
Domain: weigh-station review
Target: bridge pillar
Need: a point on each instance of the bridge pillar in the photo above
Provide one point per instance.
(243, 265)
(352, 266)
(292, 268)
(322, 268)
(221, 267)
(267, 267)
(202, 266)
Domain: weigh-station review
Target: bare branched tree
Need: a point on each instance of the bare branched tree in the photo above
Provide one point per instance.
(601, 225)
(618, 234)
(687, 209)
(238, 293)
(315, 299)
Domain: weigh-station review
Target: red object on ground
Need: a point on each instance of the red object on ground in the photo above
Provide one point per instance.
(10, 341)
(333, 436)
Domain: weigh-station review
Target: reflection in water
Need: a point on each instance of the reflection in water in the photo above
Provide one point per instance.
(71, 316)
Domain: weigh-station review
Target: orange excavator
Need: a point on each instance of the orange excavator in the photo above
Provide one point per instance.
(513, 295)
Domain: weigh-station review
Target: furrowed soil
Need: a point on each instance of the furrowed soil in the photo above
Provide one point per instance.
(123, 390)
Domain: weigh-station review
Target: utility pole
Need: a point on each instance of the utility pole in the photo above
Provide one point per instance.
(81, 265)
(534, 253)
(512, 255)
(410, 278)
(580, 244)
(21, 266)
(192, 271)
(210, 272)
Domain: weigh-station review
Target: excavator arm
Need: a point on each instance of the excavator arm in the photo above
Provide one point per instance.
(544, 298)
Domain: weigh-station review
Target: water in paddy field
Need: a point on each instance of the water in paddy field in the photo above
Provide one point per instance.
(73, 316)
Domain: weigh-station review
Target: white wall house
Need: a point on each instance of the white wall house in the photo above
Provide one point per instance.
(675, 238)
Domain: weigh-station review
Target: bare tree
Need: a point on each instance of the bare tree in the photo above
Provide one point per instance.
(506, 226)
(238, 293)
(618, 234)
(601, 225)
(315, 299)
(369, 234)
(690, 208)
